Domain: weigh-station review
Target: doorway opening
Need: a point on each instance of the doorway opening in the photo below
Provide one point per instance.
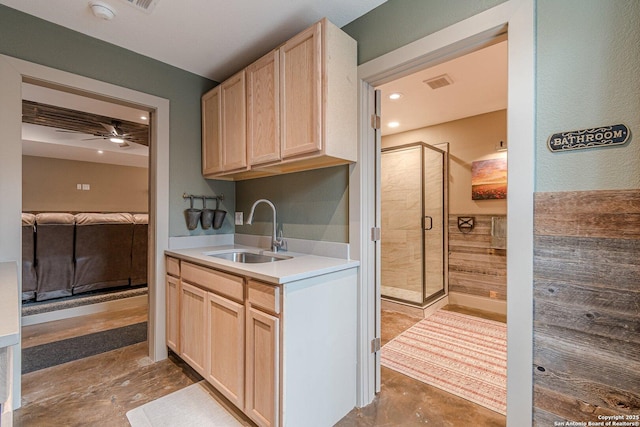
(14, 72)
(437, 124)
(460, 38)
(85, 216)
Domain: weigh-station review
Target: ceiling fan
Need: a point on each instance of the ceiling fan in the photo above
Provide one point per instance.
(122, 132)
(113, 132)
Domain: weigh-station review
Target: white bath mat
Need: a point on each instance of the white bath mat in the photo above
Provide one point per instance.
(191, 406)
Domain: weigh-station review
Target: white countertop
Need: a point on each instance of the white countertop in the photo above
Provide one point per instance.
(301, 266)
(9, 304)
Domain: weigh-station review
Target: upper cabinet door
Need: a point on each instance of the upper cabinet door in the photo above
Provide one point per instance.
(263, 109)
(234, 122)
(301, 93)
(211, 132)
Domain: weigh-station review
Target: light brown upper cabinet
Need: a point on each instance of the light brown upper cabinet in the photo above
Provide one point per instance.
(263, 109)
(224, 131)
(301, 106)
(211, 133)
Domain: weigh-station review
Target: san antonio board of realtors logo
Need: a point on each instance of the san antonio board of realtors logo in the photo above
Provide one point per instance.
(605, 136)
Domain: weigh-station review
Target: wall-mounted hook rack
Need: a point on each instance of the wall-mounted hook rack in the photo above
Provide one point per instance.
(188, 196)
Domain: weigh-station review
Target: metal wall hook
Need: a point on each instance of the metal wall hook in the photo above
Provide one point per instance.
(466, 223)
(187, 196)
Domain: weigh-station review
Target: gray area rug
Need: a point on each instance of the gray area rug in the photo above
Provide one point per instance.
(59, 352)
(192, 406)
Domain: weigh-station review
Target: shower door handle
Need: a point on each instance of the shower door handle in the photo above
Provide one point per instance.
(427, 223)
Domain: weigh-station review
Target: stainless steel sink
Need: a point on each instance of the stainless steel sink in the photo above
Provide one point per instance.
(249, 257)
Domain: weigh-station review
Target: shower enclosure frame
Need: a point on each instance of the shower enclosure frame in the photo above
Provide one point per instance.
(431, 298)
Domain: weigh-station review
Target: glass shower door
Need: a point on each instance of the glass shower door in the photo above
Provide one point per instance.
(435, 244)
(401, 225)
(413, 223)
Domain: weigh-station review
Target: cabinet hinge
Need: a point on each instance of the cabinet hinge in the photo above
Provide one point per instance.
(375, 345)
(375, 121)
(375, 234)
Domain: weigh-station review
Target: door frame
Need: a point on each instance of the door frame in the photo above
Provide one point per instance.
(518, 18)
(11, 154)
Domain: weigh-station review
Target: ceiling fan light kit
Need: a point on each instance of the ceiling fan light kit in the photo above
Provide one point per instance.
(102, 10)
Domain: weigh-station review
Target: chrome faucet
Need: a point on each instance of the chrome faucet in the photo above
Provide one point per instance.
(277, 242)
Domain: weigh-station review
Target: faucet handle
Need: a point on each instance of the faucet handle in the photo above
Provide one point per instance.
(280, 244)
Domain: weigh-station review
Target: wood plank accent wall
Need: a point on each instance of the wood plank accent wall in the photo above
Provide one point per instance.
(474, 267)
(586, 306)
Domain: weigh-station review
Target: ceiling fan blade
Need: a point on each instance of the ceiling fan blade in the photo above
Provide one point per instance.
(110, 128)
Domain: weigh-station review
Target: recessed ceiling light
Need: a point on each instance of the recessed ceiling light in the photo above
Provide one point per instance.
(393, 124)
(100, 152)
(116, 140)
(143, 117)
(395, 95)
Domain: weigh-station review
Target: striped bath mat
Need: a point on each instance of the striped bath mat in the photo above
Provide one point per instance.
(461, 354)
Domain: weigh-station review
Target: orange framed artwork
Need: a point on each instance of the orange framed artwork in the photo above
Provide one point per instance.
(489, 179)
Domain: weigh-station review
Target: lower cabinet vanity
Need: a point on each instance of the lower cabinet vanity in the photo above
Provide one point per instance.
(283, 353)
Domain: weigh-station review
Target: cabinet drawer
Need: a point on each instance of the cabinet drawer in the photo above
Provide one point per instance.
(173, 266)
(264, 296)
(216, 281)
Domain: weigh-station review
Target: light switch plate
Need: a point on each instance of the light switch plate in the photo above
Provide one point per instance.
(239, 218)
(86, 187)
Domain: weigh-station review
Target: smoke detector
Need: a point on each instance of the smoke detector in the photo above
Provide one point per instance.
(102, 10)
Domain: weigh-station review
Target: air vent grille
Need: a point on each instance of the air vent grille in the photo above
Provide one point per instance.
(440, 81)
(143, 5)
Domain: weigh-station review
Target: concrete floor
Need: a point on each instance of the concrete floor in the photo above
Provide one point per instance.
(99, 390)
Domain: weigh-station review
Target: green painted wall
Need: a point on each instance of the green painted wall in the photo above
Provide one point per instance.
(26, 37)
(310, 205)
(587, 75)
(399, 22)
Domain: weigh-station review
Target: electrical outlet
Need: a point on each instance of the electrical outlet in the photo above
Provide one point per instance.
(493, 294)
(78, 186)
(239, 218)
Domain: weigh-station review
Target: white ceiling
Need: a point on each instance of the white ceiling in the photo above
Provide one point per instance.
(215, 38)
(211, 38)
(43, 141)
(479, 86)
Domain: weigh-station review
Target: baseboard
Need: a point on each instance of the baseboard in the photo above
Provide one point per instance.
(480, 303)
(412, 310)
(401, 308)
(120, 304)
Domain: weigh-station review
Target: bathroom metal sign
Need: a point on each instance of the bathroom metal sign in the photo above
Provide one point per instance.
(604, 136)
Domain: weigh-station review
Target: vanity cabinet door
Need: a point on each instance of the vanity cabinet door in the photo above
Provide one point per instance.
(173, 313)
(262, 368)
(226, 347)
(193, 327)
(301, 93)
(263, 109)
(211, 133)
